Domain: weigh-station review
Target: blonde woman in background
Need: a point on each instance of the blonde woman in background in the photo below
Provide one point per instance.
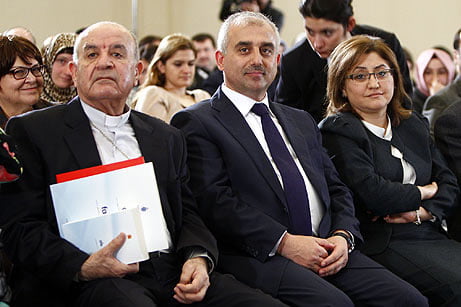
(169, 74)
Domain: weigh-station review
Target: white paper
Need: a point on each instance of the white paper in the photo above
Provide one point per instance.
(111, 192)
(92, 234)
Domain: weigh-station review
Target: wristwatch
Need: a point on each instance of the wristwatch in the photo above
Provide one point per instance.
(349, 238)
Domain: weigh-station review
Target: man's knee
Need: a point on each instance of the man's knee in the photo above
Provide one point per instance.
(114, 292)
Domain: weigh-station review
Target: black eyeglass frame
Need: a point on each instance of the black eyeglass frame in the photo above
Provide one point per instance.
(36, 70)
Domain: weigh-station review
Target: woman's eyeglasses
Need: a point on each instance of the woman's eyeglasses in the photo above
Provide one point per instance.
(21, 72)
(379, 75)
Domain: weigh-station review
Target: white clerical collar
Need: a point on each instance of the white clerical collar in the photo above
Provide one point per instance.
(101, 119)
(242, 103)
(380, 132)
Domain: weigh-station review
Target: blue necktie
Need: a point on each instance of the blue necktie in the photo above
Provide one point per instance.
(293, 183)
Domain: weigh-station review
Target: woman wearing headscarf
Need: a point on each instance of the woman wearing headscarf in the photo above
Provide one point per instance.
(434, 70)
(59, 87)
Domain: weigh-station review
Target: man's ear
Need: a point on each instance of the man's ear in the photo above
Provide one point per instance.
(351, 24)
(73, 71)
(137, 72)
(219, 56)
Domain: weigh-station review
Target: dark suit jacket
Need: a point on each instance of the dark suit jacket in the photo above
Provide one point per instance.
(354, 155)
(236, 187)
(303, 74)
(60, 140)
(447, 134)
(437, 103)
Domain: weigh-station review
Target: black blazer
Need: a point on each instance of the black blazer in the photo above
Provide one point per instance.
(59, 140)
(237, 190)
(353, 154)
(303, 74)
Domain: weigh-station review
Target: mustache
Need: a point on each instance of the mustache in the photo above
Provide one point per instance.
(255, 68)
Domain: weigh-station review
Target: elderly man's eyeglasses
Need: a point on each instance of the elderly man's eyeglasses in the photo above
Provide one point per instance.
(379, 75)
(21, 72)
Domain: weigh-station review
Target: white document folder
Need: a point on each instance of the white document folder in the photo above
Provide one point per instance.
(111, 192)
(92, 234)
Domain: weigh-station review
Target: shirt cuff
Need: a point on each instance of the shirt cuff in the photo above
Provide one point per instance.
(201, 252)
(274, 250)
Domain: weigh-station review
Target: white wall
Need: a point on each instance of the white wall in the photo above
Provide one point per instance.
(419, 24)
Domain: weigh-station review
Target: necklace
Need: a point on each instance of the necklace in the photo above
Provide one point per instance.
(112, 142)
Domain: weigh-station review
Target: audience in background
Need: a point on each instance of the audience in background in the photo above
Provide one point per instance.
(59, 86)
(403, 190)
(22, 32)
(21, 77)
(434, 69)
(265, 7)
(438, 102)
(169, 74)
(149, 40)
(303, 70)
(205, 45)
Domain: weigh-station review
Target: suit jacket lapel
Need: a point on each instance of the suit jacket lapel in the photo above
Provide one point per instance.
(297, 140)
(79, 137)
(228, 115)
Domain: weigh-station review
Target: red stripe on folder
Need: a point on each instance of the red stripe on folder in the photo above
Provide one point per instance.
(86, 172)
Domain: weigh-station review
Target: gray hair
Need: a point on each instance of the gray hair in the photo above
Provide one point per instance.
(244, 18)
(82, 35)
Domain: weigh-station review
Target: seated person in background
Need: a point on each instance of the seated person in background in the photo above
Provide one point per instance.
(22, 32)
(149, 40)
(447, 135)
(205, 46)
(266, 188)
(402, 188)
(169, 74)
(95, 128)
(265, 7)
(303, 70)
(438, 102)
(146, 53)
(59, 86)
(434, 69)
(21, 77)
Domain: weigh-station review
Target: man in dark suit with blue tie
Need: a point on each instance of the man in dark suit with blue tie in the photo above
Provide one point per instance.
(265, 187)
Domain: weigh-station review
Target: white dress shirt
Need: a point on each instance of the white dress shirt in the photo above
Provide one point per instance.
(119, 130)
(244, 105)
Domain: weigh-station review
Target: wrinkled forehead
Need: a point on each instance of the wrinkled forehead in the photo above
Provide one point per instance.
(106, 37)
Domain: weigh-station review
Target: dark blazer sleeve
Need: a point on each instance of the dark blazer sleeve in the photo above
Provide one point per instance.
(230, 216)
(351, 152)
(29, 235)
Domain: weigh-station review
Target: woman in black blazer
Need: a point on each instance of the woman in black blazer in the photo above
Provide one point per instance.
(403, 190)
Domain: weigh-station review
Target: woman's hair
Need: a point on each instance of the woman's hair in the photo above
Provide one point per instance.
(423, 60)
(167, 48)
(342, 61)
(11, 47)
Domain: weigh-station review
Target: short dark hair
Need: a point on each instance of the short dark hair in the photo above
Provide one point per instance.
(335, 10)
(11, 47)
(456, 40)
(201, 37)
(147, 52)
(149, 40)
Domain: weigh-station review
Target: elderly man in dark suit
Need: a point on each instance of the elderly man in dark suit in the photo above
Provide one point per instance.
(266, 188)
(98, 128)
(303, 70)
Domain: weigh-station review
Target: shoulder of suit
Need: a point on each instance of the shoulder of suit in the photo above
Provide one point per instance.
(373, 31)
(342, 123)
